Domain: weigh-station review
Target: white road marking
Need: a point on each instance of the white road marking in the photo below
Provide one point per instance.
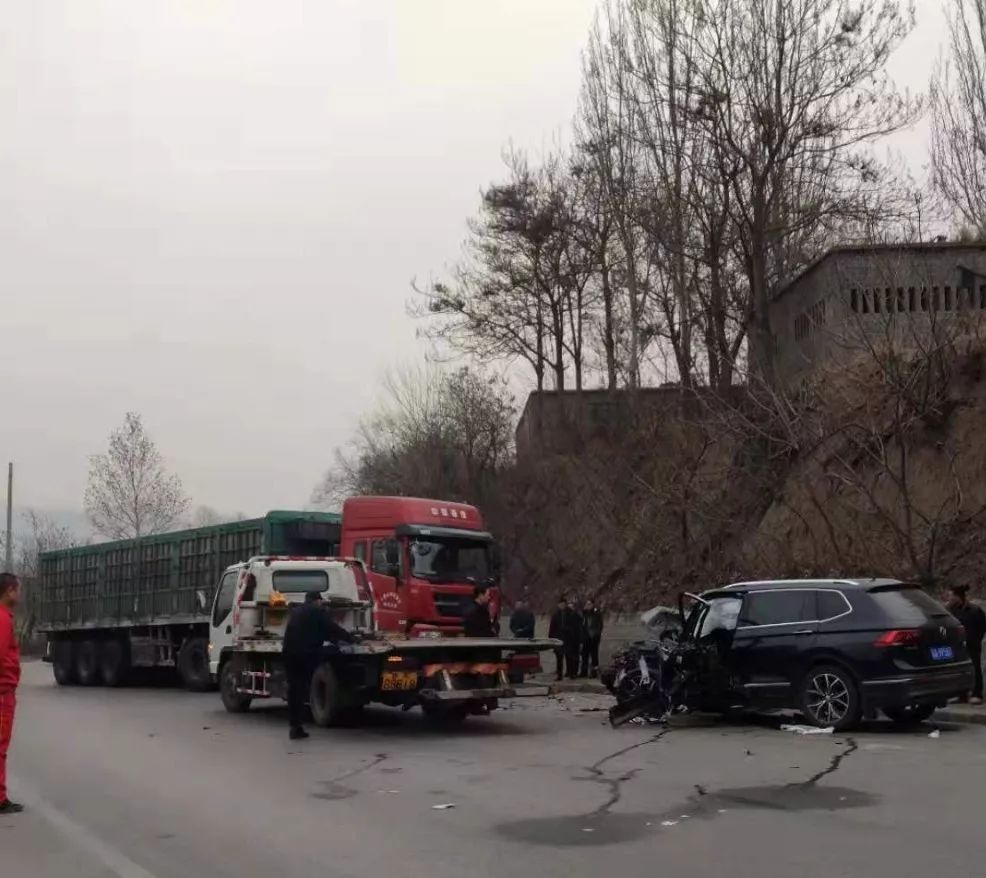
(118, 863)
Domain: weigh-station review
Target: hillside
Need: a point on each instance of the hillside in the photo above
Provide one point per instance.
(878, 469)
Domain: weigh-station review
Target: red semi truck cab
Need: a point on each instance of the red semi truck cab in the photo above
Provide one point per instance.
(423, 559)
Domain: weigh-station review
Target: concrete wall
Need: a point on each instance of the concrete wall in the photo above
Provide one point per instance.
(854, 299)
(565, 422)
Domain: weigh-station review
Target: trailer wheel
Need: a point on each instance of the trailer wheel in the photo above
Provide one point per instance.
(87, 663)
(193, 665)
(114, 662)
(63, 662)
(328, 703)
(229, 676)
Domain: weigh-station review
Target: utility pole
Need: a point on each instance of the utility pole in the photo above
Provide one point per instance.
(9, 545)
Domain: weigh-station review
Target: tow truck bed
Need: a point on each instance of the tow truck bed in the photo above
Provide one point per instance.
(445, 676)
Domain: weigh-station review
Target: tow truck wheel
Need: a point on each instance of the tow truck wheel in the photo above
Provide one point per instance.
(326, 698)
(229, 677)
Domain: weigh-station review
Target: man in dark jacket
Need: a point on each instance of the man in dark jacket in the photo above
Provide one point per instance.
(522, 621)
(10, 676)
(308, 630)
(477, 621)
(592, 619)
(973, 619)
(566, 626)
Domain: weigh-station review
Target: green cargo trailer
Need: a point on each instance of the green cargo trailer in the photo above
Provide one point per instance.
(145, 602)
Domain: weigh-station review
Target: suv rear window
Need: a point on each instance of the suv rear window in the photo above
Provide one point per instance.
(908, 605)
(778, 607)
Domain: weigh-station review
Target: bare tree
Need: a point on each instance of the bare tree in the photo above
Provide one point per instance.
(958, 103)
(439, 433)
(130, 494)
(607, 137)
(521, 289)
(44, 535)
(206, 516)
(793, 92)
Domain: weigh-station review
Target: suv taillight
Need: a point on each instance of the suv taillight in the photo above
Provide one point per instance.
(899, 637)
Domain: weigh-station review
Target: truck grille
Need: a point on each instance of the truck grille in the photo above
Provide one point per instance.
(451, 605)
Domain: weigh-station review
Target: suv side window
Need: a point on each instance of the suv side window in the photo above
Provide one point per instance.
(720, 618)
(778, 608)
(224, 599)
(832, 604)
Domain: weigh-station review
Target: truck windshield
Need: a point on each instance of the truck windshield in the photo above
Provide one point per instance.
(450, 559)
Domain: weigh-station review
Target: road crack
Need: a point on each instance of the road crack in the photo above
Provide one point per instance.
(614, 785)
(335, 789)
(852, 745)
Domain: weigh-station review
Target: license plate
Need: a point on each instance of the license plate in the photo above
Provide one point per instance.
(942, 653)
(399, 681)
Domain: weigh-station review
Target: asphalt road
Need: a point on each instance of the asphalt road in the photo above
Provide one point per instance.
(144, 783)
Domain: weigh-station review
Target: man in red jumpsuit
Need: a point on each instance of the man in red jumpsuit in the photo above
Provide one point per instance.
(10, 676)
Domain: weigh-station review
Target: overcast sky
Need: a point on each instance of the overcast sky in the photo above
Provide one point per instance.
(212, 210)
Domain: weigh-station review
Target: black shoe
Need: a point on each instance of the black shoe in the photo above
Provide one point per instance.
(298, 734)
(9, 807)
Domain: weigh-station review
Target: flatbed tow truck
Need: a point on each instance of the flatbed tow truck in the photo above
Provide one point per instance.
(449, 677)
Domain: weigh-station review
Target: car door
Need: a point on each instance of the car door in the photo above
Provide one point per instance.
(776, 630)
(385, 574)
(710, 634)
(220, 623)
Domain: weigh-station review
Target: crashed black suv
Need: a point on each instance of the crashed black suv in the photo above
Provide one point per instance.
(836, 650)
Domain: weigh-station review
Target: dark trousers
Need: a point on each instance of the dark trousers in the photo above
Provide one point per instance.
(976, 655)
(299, 672)
(590, 657)
(567, 661)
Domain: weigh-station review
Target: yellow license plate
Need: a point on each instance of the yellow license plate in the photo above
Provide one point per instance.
(399, 681)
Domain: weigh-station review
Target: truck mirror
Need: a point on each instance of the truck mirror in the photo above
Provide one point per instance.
(394, 570)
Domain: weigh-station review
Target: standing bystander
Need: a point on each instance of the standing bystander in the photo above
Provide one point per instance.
(973, 619)
(10, 676)
(522, 621)
(309, 628)
(592, 618)
(566, 626)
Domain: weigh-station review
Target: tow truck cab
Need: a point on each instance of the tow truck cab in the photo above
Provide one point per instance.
(423, 560)
(254, 598)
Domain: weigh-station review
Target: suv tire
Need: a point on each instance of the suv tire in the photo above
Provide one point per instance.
(909, 714)
(830, 698)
